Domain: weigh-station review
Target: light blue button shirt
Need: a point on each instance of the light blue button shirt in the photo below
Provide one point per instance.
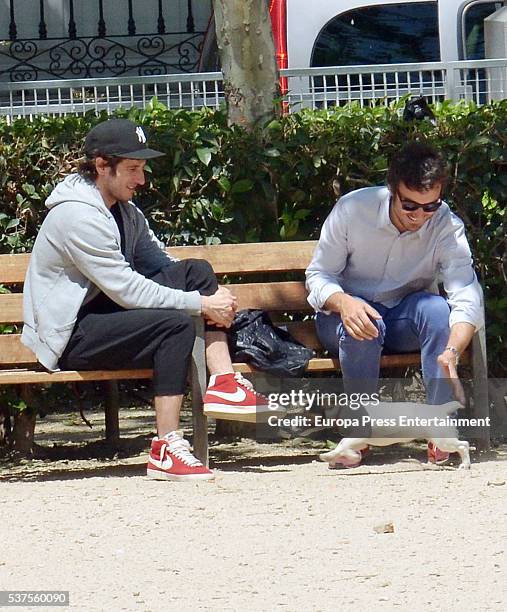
(360, 252)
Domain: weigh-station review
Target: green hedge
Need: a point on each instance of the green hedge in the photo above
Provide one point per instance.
(220, 184)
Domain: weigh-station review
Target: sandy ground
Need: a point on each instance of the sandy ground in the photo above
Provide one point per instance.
(277, 530)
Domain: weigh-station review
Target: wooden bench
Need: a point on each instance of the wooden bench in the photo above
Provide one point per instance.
(18, 365)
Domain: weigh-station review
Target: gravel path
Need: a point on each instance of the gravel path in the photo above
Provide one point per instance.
(278, 531)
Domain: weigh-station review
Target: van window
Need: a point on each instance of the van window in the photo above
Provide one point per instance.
(394, 34)
(473, 27)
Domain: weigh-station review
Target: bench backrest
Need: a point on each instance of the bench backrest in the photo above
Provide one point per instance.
(257, 260)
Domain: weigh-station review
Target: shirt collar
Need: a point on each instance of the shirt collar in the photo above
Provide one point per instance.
(383, 219)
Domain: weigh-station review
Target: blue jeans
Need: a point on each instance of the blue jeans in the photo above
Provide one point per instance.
(420, 322)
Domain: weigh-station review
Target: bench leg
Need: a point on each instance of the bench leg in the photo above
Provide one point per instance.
(24, 423)
(198, 387)
(112, 411)
(480, 384)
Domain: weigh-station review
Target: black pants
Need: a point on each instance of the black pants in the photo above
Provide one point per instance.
(109, 337)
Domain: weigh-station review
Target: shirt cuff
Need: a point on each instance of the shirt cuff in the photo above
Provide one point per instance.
(461, 317)
(326, 292)
(193, 302)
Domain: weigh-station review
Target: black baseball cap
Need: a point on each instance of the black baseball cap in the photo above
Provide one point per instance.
(119, 138)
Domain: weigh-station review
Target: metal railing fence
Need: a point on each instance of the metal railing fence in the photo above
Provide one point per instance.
(480, 81)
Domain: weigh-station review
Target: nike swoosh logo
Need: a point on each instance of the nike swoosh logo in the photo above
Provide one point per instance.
(164, 464)
(238, 395)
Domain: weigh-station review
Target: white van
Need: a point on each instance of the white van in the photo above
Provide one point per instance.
(359, 32)
(320, 33)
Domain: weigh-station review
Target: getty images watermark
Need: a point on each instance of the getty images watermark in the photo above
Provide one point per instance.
(319, 399)
(308, 406)
(311, 401)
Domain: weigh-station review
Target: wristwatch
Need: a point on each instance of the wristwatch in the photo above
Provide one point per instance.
(454, 350)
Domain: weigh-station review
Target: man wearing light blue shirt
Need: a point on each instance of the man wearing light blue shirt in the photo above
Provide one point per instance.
(374, 276)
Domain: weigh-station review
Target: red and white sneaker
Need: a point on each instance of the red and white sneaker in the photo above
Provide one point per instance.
(232, 397)
(437, 456)
(170, 459)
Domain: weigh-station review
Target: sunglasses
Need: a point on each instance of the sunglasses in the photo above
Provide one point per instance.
(410, 206)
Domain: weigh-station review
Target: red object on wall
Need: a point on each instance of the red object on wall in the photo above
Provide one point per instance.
(278, 12)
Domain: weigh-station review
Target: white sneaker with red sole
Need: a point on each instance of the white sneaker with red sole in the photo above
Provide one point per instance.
(170, 459)
(232, 397)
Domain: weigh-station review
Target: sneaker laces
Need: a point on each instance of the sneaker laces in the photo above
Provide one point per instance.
(243, 382)
(180, 448)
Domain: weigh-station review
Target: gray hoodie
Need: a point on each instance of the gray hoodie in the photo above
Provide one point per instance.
(77, 254)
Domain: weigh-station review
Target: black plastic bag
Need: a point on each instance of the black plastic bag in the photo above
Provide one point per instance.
(418, 109)
(253, 338)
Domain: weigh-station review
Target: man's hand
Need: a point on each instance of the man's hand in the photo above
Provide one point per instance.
(448, 361)
(356, 316)
(220, 307)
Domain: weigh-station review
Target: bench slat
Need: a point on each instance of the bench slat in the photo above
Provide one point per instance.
(13, 268)
(252, 257)
(275, 297)
(12, 351)
(320, 364)
(304, 332)
(11, 307)
(279, 297)
(27, 376)
(225, 258)
(326, 364)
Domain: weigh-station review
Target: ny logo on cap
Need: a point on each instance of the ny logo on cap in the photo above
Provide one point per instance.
(140, 134)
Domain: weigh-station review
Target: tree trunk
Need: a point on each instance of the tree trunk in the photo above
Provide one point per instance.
(247, 54)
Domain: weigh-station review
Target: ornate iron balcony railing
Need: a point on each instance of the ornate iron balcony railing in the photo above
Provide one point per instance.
(107, 51)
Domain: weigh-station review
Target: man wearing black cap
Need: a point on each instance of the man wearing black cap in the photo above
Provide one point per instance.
(101, 293)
